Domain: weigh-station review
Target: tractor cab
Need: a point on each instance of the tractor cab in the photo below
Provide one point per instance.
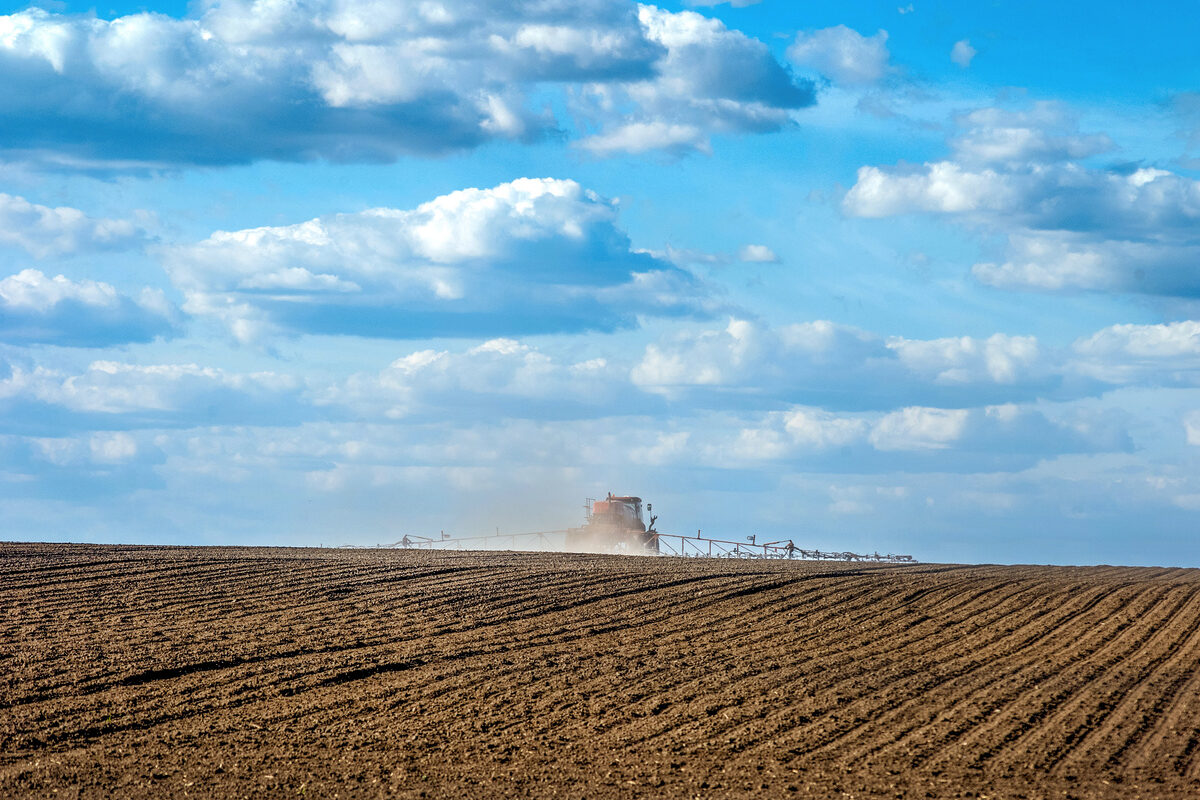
(622, 513)
(614, 525)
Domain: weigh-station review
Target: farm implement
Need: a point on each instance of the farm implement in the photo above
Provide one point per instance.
(616, 524)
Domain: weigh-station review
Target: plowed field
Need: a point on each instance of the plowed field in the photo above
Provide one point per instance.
(228, 672)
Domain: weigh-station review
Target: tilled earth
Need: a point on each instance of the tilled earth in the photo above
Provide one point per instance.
(238, 672)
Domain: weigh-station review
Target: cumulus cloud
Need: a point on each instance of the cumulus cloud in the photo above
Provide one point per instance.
(495, 416)
(38, 309)
(1009, 434)
(90, 468)
(117, 395)
(838, 367)
(530, 256)
(1056, 260)
(965, 359)
(845, 386)
(1067, 225)
(943, 187)
(376, 469)
(816, 429)
(1165, 355)
(758, 253)
(1046, 132)
(498, 378)
(104, 448)
(1165, 341)
(912, 438)
(43, 231)
(349, 80)
(962, 53)
(367, 483)
(742, 349)
(843, 55)
(916, 428)
(712, 80)
(345, 455)
(830, 371)
(112, 447)
(642, 137)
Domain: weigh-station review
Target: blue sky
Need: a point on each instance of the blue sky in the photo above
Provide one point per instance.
(901, 277)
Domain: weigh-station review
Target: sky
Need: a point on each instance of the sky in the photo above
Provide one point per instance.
(915, 278)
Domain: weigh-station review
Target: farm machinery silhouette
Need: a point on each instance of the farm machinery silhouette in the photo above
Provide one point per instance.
(616, 524)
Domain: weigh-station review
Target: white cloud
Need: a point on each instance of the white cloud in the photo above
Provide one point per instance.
(664, 449)
(500, 377)
(92, 469)
(529, 256)
(1165, 354)
(640, 137)
(1068, 226)
(837, 368)
(505, 419)
(916, 439)
(758, 253)
(843, 55)
(747, 353)
(962, 53)
(43, 231)
(365, 483)
(35, 308)
(112, 447)
(816, 429)
(1045, 132)
(1170, 340)
(1191, 426)
(134, 395)
(1051, 262)
(820, 363)
(919, 429)
(828, 370)
(999, 358)
(30, 289)
(352, 81)
(943, 187)
(712, 80)
(913, 438)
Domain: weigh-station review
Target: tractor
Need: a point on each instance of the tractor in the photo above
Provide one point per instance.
(614, 525)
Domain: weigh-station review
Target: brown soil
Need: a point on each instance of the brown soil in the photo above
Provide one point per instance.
(228, 672)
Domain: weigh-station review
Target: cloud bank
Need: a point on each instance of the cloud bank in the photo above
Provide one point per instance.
(356, 81)
(1068, 225)
(712, 80)
(44, 232)
(113, 395)
(38, 309)
(529, 256)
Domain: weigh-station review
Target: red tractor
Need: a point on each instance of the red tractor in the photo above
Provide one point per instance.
(614, 525)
